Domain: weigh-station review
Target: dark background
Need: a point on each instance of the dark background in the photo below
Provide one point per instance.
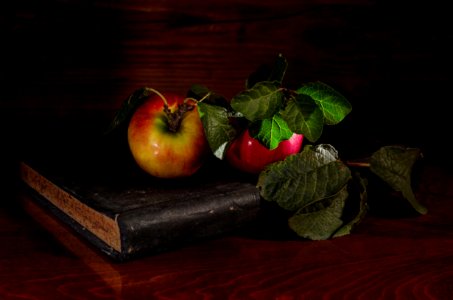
(66, 66)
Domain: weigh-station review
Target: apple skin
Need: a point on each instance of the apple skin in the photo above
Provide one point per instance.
(249, 155)
(159, 151)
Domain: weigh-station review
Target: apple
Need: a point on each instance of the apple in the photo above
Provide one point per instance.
(249, 155)
(166, 136)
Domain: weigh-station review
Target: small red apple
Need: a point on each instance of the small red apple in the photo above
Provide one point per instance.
(249, 155)
(166, 136)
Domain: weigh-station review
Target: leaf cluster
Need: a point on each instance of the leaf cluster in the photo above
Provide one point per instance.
(324, 196)
(271, 111)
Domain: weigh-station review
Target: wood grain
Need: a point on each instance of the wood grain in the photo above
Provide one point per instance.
(399, 258)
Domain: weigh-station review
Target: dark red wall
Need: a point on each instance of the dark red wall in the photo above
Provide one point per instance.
(64, 59)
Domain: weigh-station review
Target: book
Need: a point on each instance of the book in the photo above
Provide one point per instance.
(126, 213)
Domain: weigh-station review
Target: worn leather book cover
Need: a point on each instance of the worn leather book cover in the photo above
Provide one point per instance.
(126, 213)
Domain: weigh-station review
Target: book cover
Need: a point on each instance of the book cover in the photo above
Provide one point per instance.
(126, 213)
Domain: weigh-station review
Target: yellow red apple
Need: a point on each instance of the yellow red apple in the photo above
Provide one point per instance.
(166, 136)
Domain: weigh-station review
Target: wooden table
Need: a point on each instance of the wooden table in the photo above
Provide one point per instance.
(393, 61)
(399, 258)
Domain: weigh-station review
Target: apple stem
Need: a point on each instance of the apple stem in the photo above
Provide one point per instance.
(160, 95)
(360, 164)
(174, 118)
(196, 100)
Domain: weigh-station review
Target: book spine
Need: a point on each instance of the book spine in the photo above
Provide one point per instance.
(100, 225)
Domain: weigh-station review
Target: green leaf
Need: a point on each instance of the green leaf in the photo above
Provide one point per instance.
(303, 115)
(279, 69)
(217, 127)
(128, 107)
(270, 132)
(304, 178)
(334, 106)
(322, 219)
(360, 205)
(394, 164)
(198, 92)
(275, 73)
(260, 102)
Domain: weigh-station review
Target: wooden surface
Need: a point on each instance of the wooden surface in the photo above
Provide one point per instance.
(401, 258)
(65, 64)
